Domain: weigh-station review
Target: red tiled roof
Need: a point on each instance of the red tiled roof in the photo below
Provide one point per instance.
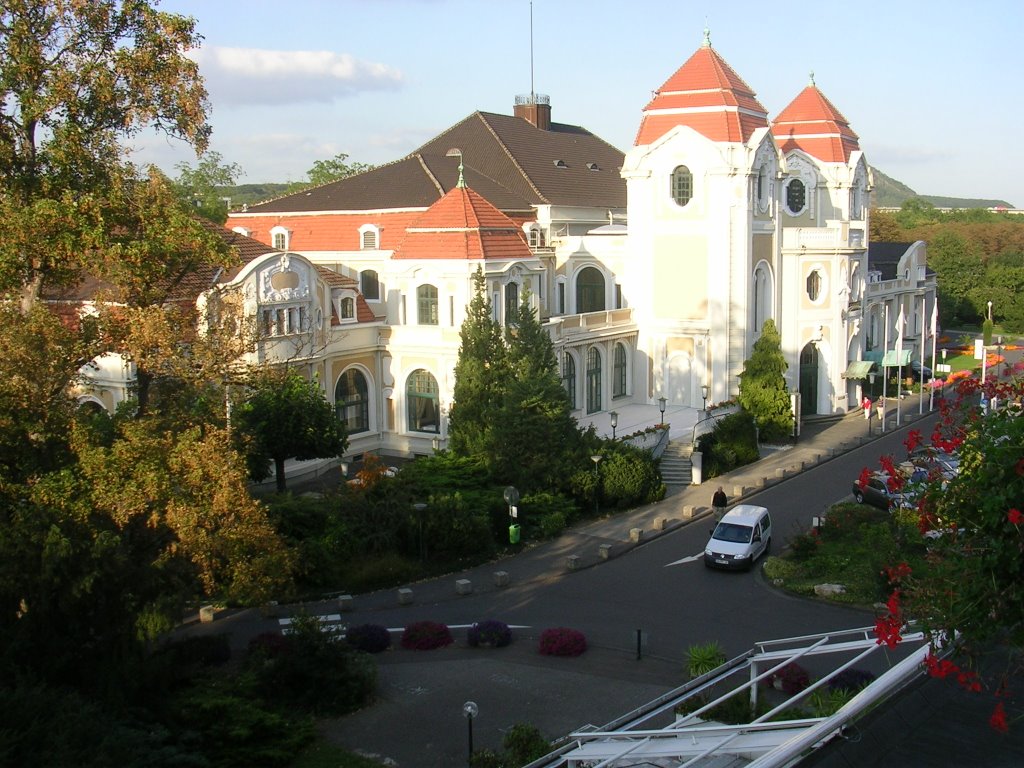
(463, 225)
(813, 124)
(707, 95)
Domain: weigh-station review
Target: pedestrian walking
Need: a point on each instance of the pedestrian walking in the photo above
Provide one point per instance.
(718, 503)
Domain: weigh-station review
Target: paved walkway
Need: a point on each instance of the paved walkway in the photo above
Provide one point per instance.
(416, 721)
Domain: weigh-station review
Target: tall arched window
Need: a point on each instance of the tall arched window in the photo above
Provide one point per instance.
(619, 371)
(590, 291)
(814, 285)
(593, 380)
(569, 379)
(369, 285)
(426, 302)
(511, 302)
(796, 196)
(762, 296)
(422, 402)
(351, 401)
(682, 185)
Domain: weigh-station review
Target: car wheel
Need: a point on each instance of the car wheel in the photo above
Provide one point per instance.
(858, 497)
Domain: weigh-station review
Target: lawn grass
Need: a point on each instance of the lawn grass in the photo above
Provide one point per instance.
(322, 754)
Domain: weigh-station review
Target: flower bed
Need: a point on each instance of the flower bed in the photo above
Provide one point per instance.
(371, 638)
(489, 633)
(426, 636)
(562, 641)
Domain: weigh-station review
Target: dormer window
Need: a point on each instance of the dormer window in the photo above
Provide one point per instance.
(242, 231)
(369, 237)
(593, 167)
(561, 164)
(535, 235)
(348, 308)
(280, 238)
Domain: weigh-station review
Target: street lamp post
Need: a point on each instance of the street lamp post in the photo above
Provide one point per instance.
(704, 394)
(615, 422)
(421, 509)
(661, 407)
(596, 458)
(469, 711)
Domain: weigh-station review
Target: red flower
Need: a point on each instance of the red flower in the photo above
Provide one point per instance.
(1019, 467)
(1015, 516)
(888, 628)
(865, 476)
(913, 440)
(998, 719)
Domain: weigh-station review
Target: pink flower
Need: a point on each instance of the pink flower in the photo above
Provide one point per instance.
(1015, 516)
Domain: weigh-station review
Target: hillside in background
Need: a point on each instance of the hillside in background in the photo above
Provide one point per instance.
(888, 193)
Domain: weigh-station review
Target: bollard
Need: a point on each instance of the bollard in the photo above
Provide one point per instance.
(572, 562)
(636, 534)
(604, 551)
(688, 511)
(345, 603)
(501, 578)
(404, 596)
(660, 523)
(463, 586)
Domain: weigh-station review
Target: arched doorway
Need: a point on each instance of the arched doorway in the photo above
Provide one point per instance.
(809, 380)
(678, 385)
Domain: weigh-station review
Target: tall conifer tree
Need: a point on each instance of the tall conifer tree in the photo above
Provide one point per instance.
(763, 390)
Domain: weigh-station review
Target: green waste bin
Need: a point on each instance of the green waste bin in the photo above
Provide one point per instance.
(513, 534)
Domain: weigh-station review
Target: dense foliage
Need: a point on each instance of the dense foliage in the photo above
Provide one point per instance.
(732, 443)
(763, 392)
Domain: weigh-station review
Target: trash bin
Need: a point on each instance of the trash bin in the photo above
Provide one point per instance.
(513, 534)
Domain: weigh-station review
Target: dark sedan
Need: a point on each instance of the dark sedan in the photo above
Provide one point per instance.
(876, 492)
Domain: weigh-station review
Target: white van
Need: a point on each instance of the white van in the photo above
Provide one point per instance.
(742, 535)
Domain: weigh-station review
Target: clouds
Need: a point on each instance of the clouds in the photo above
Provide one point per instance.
(262, 77)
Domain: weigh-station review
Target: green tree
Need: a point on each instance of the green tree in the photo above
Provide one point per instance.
(76, 79)
(286, 416)
(763, 390)
(481, 375)
(202, 186)
(326, 171)
(958, 267)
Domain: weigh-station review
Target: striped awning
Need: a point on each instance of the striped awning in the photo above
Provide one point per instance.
(858, 369)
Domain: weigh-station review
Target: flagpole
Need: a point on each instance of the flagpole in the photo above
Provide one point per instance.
(899, 363)
(935, 329)
(920, 391)
(885, 351)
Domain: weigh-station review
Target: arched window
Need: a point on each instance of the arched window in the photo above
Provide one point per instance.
(762, 188)
(569, 379)
(590, 291)
(351, 401)
(682, 185)
(593, 380)
(348, 308)
(511, 302)
(426, 302)
(814, 285)
(280, 238)
(796, 196)
(619, 371)
(369, 285)
(422, 402)
(762, 296)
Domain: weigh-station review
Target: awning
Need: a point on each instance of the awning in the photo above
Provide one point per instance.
(858, 369)
(892, 360)
(874, 355)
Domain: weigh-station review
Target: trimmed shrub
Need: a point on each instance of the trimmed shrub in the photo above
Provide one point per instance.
(792, 679)
(562, 641)
(493, 633)
(426, 636)
(701, 659)
(524, 743)
(851, 680)
(369, 638)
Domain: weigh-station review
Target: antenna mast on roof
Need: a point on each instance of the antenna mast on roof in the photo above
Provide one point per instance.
(532, 92)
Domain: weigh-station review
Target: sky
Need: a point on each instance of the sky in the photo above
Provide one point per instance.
(930, 86)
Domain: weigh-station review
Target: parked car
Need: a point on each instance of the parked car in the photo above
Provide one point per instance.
(929, 457)
(742, 535)
(876, 492)
(920, 372)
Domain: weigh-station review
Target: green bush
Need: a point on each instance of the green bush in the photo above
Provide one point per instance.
(552, 525)
(314, 671)
(701, 659)
(629, 477)
(732, 443)
(524, 744)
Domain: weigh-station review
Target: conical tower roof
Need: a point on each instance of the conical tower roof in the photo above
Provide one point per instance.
(707, 95)
(463, 225)
(813, 124)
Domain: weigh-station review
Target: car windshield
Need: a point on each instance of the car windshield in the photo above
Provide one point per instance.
(738, 534)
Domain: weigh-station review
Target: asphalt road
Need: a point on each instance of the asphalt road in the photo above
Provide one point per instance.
(660, 589)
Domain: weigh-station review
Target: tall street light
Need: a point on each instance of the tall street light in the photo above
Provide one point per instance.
(596, 458)
(661, 407)
(704, 394)
(615, 422)
(469, 711)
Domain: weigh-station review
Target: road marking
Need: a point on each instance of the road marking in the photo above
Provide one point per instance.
(689, 559)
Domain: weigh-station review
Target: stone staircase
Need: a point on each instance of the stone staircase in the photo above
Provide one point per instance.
(676, 468)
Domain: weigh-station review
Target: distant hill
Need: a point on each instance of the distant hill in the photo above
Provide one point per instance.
(889, 193)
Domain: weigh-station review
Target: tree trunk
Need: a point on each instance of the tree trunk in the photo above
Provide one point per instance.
(30, 292)
(279, 474)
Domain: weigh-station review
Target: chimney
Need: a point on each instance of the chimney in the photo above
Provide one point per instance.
(534, 108)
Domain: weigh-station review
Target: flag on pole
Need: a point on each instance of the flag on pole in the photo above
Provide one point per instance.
(935, 318)
(899, 335)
